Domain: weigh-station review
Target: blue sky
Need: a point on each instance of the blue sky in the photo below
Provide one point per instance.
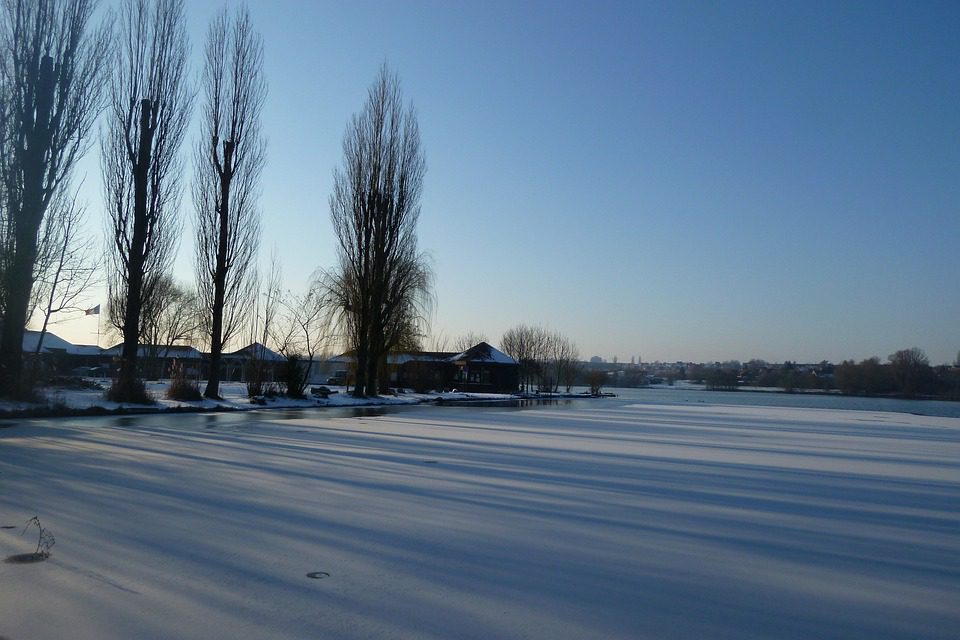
(674, 181)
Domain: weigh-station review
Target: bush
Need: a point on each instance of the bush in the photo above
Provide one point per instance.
(181, 387)
(135, 392)
(256, 378)
(596, 379)
(295, 377)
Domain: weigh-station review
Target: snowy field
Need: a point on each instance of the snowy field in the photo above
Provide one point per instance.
(602, 520)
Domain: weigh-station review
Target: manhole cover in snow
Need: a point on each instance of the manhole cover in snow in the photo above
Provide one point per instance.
(318, 575)
(9, 526)
(429, 462)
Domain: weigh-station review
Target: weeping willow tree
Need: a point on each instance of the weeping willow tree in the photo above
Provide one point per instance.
(381, 288)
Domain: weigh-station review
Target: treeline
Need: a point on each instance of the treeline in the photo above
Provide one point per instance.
(906, 373)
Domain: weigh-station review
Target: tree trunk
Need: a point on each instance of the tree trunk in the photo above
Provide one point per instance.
(134, 306)
(220, 275)
(18, 284)
(33, 198)
(373, 386)
(360, 384)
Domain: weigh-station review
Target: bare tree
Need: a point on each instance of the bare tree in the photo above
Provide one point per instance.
(467, 340)
(52, 75)
(68, 264)
(528, 345)
(262, 324)
(517, 343)
(302, 332)
(229, 160)
(149, 109)
(382, 286)
(564, 360)
(169, 318)
(439, 342)
(911, 371)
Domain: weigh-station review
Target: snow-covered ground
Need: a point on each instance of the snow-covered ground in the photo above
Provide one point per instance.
(604, 520)
(234, 397)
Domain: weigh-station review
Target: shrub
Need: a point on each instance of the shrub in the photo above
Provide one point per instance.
(135, 392)
(596, 379)
(295, 377)
(181, 387)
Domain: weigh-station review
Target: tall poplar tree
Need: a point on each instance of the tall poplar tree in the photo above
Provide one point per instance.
(383, 283)
(52, 75)
(149, 111)
(229, 161)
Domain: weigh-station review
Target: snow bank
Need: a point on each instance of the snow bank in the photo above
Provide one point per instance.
(234, 397)
(612, 521)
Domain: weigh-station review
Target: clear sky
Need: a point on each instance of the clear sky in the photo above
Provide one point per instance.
(674, 181)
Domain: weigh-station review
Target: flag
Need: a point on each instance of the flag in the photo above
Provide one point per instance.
(92, 311)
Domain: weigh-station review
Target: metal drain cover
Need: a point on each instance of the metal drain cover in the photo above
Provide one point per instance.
(318, 575)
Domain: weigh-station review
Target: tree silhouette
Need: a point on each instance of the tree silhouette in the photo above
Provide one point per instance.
(149, 110)
(229, 160)
(52, 75)
(381, 288)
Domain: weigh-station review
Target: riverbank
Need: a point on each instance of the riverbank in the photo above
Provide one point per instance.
(87, 399)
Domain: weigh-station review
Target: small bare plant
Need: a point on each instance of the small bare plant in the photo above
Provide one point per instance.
(181, 387)
(45, 541)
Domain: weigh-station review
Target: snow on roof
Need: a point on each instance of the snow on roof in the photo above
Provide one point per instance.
(51, 342)
(483, 352)
(146, 350)
(258, 351)
(400, 357)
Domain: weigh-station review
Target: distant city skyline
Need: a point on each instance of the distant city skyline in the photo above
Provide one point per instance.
(684, 181)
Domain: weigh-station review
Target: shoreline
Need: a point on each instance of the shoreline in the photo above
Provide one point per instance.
(100, 406)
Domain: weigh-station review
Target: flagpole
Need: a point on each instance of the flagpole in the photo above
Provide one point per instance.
(95, 311)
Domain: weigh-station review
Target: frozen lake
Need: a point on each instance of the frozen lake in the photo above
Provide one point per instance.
(590, 520)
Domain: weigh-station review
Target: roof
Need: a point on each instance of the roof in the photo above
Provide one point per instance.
(397, 357)
(184, 352)
(51, 342)
(483, 352)
(258, 351)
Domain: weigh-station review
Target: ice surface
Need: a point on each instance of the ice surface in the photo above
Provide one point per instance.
(610, 521)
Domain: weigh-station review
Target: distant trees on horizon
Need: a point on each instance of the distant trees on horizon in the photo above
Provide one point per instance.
(906, 373)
